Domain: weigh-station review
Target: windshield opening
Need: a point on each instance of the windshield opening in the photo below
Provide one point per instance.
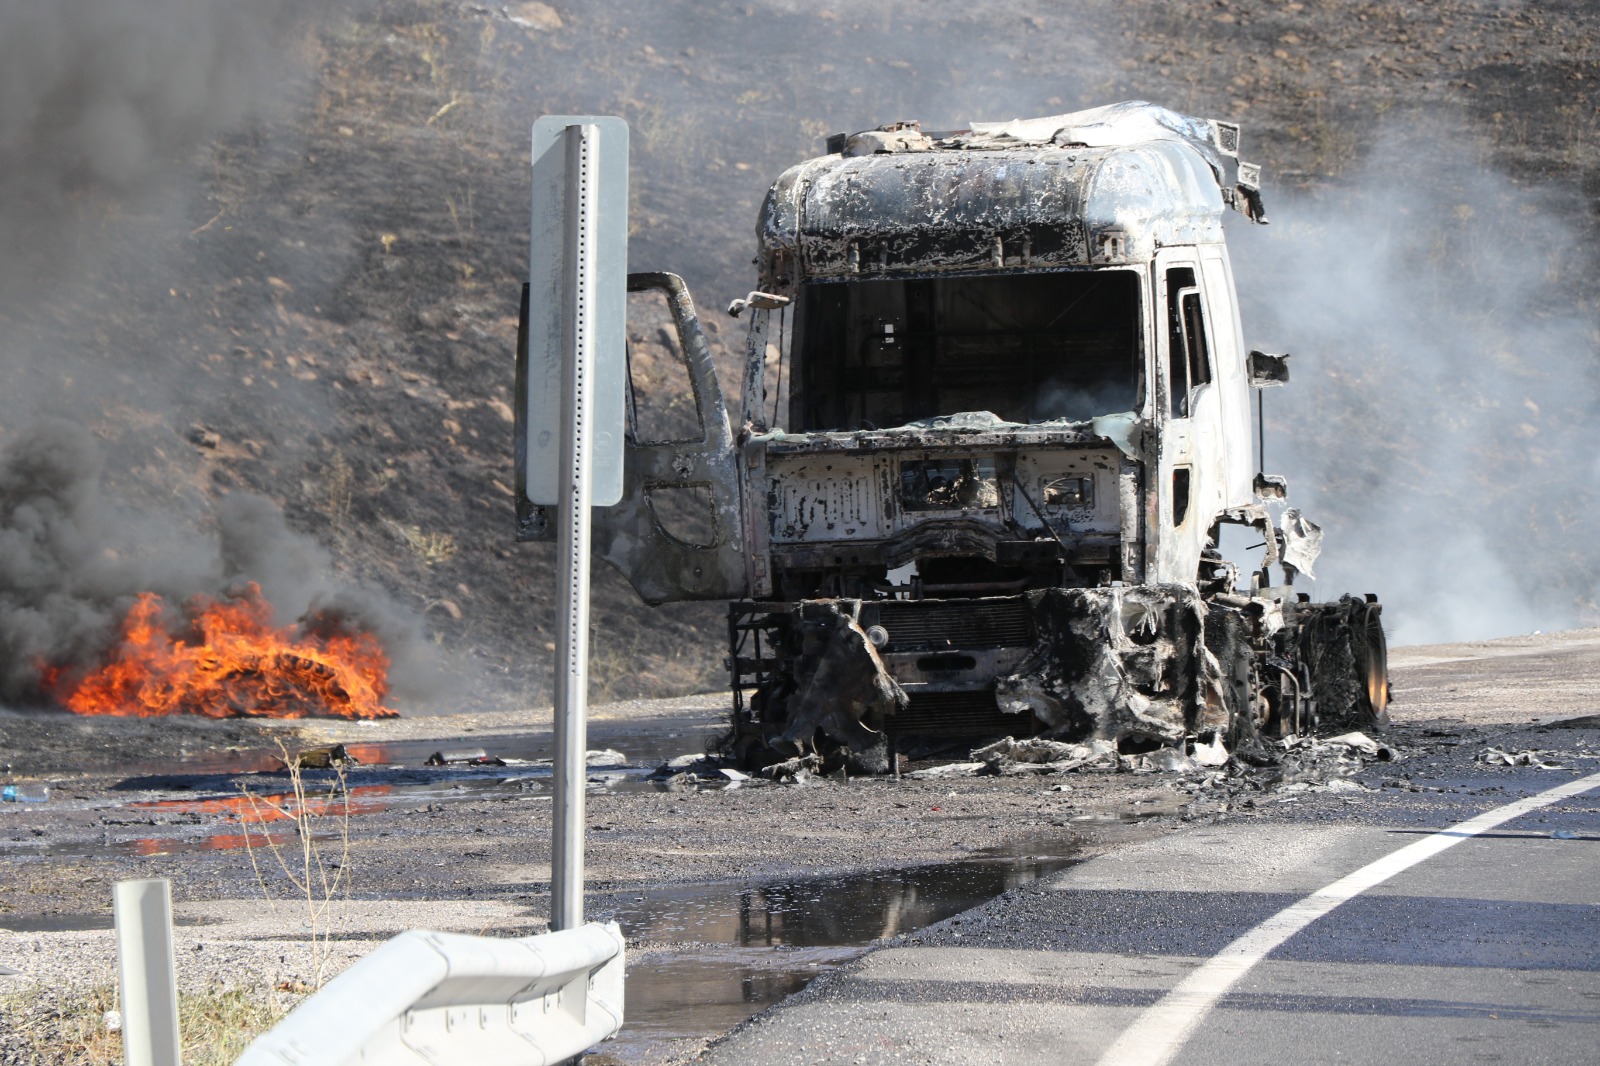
(1027, 347)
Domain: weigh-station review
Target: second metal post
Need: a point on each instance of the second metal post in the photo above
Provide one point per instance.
(145, 972)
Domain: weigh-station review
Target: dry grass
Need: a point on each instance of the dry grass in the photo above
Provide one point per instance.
(626, 666)
(41, 1025)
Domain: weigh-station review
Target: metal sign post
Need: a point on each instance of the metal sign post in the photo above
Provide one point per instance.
(577, 316)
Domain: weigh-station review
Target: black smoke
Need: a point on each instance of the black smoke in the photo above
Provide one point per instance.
(73, 560)
(101, 98)
(103, 105)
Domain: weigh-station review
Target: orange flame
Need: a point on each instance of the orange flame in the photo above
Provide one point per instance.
(231, 662)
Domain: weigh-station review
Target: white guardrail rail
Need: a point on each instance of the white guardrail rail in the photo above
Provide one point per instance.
(446, 999)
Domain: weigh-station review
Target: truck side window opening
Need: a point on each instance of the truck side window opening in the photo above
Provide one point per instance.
(1188, 354)
(1194, 332)
(1026, 347)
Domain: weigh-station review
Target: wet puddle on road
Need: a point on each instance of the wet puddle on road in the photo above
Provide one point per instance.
(212, 789)
(729, 951)
(648, 745)
(219, 821)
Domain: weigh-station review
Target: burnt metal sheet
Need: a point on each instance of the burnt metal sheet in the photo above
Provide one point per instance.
(970, 430)
(1302, 541)
(1132, 122)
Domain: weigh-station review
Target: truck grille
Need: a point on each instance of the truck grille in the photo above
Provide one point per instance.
(959, 714)
(993, 623)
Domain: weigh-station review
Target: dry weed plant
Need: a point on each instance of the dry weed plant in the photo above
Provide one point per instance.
(317, 880)
(339, 492)
(462, 215)
(431, 548)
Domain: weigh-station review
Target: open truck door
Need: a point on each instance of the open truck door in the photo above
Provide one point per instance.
(675, 534)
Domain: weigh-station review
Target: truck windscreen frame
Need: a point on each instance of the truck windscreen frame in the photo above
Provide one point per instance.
(1034, 347)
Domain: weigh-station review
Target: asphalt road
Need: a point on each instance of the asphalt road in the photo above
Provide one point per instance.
(1486, 951)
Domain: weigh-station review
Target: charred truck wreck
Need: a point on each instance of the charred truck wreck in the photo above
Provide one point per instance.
(996, 408)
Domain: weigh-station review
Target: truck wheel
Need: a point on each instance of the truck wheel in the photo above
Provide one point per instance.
(1333, 644)
(1371, 650)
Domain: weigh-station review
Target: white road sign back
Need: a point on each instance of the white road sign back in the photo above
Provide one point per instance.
(578, 300)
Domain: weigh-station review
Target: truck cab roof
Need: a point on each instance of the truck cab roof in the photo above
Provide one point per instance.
(1103, 187)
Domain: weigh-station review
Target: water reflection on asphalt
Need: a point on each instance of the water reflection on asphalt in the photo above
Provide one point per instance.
(708, 957)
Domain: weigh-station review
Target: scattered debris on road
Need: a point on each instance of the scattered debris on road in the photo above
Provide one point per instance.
(476, 757)
(329, 757)
(1492, 756)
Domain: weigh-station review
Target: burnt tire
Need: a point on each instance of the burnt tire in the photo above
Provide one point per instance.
(1370, 650)
(1343, 647)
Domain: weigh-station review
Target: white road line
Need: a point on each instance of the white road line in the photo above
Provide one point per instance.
(1156, 1036)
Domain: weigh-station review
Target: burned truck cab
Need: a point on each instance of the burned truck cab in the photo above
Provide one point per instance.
(1006, 333)
(996, 406)
(997, 402)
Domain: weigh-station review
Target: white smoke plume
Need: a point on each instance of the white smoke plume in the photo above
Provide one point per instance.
(1442, 415)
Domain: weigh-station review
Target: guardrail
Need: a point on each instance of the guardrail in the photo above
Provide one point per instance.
(446, 999)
